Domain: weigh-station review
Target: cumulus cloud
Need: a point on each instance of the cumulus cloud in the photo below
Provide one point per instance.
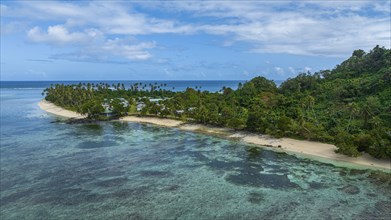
(327, 28)
(168, 73)
(279, 70)
(302, 28)
(111, 51)
(92, 44)
(109, 17)
(121, 48)
(307, 69)
(291, 70)
(58, 34)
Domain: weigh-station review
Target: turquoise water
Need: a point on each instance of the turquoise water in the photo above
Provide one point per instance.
(113, 170)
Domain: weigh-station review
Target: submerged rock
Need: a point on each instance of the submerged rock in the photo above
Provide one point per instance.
(96, 144)
(342, 173)
(153, 173)
(354, 172)
(80, 121)
(381, 210)
(316, 185)
(172, 188)
(261, 180)
(379, 178)
(256, 198)
(115, 182)
(350, 189)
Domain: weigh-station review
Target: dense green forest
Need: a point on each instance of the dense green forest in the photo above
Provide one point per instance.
(349, 106)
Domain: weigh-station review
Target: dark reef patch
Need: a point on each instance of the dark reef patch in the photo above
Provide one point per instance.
(13, 197)
(354, 172)
(316, 185)
(226, 165)
(256, 198)
(153, 173)
(136, 193)
(115, 182)
(350, 189)
(96, 144)
(279, 211)
(172, 188)
(380, 178)
(262, 180)
(381, 210)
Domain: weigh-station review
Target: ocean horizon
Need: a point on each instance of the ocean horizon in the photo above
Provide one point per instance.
(178, 85)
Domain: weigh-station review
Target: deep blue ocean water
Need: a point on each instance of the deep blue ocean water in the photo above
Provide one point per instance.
(117, 170)
(175, 85)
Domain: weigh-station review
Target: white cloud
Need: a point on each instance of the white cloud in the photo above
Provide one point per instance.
(168, 73)
(245, 73)
(92, 44)
(296, 34)
(307, 69)
(110, 50)
(279, 70)
(122, 48)
(291, 70)
(109, 17)
(58, 34)
(328, 28)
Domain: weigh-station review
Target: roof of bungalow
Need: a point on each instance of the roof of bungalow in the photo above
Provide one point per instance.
(107, 111)
(108, 108)
(156, 100)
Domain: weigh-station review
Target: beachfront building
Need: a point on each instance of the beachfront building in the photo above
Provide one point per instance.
(156, 100)
(191, 109)
(140, 106)
(109, 108)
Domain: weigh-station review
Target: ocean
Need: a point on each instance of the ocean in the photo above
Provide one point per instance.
(174, 85)
(119, 170)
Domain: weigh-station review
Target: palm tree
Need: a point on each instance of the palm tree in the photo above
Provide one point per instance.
(369, 109)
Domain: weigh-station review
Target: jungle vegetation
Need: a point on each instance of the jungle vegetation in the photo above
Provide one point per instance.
(349, 106)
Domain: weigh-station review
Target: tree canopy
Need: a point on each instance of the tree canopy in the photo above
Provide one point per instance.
(349, 106)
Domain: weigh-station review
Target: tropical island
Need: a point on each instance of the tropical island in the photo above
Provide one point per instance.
(348, 106)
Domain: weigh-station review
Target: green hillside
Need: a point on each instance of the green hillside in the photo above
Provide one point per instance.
(349, 106)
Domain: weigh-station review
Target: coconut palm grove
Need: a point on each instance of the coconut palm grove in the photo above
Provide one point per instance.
(349, 106)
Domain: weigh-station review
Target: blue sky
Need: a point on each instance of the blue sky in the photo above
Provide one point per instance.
(179, 40)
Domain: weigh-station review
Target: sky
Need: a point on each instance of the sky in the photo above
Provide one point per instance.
(184, 40)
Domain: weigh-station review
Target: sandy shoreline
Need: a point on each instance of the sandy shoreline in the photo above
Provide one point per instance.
(315, 150)
(151, 120)
(54, 109)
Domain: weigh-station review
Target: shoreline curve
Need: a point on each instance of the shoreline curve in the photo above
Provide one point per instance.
(302, 148)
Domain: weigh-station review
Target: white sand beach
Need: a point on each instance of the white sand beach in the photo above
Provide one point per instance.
(54, 109)
(315, 150)
(151, 120)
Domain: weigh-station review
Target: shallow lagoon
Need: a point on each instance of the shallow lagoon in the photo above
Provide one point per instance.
(54, 170)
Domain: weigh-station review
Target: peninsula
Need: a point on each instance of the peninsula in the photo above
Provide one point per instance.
(346, 108)
(315, 150)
